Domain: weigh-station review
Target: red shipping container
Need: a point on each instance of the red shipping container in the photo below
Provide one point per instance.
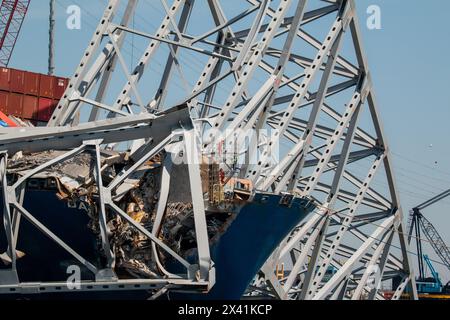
(4, 101)
(5, 76)
(14, 107)
(60, 87)
(30, 107)
(17, 82)
(46, 108)
(31, 85)
(47, 86)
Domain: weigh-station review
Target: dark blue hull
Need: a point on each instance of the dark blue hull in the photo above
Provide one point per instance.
(45, 260)
(255, 233)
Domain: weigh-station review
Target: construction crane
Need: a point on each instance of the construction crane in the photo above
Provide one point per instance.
(432, 284)
(419, 225)
(12, 15)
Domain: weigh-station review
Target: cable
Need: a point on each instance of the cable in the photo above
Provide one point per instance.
(447, 182)
(420, 164)
(194, 61)
(414, 193)
(422, 175)
(123, 50)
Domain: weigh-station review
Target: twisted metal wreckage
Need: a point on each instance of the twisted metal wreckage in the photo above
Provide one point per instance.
(263, 69)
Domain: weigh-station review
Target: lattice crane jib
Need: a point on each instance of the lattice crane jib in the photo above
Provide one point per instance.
(12, 15)
(421, 229)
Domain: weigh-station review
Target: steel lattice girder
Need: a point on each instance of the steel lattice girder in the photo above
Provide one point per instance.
(12, 15)
(264, 68)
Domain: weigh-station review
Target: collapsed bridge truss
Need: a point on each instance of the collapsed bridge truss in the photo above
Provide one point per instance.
(283, 97)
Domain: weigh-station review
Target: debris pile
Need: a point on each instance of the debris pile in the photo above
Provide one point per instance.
(132, 248)
(138, 198)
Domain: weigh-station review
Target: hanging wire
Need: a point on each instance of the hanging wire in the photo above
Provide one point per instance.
(326, 215)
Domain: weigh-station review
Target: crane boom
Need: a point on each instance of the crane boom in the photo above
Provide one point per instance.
(436, 241)
(433, 200)
(420, 225)
(12, 15)
(432, 270)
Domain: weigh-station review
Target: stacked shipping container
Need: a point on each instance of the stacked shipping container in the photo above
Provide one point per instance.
(30, 95)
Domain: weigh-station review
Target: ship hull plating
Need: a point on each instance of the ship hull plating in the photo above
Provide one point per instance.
(238, 253)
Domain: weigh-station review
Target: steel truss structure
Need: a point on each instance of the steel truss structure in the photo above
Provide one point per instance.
(294, 72)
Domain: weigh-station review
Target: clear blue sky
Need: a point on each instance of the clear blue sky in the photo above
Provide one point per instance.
(409, 62)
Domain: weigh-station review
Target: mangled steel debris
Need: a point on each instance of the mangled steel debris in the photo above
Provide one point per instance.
(73, 174)
(75, 182)
(78, 203)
